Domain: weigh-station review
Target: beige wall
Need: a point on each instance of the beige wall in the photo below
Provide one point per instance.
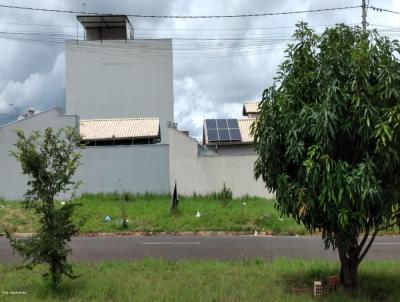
(206, 174)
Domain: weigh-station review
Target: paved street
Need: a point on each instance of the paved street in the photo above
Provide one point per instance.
(207, 247)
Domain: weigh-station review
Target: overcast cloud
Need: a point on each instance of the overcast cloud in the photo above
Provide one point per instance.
(210, 82)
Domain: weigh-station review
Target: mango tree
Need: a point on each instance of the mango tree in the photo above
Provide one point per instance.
(328, 138)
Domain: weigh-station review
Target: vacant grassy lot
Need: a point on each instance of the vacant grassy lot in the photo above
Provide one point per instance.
(150, 213)
(160, 280)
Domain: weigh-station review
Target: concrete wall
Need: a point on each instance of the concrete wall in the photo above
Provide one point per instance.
(136, 169)
(125, 78)
(12, 181)
(206, 174)
(238, 149)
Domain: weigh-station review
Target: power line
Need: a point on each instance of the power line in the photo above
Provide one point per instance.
(183, 46)
(378, 9)
(246, 15)
(213, 29)
(46, 9)
(184, 16)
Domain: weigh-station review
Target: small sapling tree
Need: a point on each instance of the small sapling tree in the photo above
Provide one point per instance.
(50, 162)
(328, 138)
(225, 195)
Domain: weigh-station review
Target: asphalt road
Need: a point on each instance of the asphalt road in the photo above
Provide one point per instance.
(91, 249)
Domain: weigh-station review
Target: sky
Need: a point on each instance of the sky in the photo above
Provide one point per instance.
(230, 62)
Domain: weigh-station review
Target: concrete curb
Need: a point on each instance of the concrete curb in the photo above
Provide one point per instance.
(198, 233)
(144, 234)
(195, 233)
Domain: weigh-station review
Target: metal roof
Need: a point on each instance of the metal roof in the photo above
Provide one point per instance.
(251, 107)
(106, 21)
(244, 126)
(119, 128)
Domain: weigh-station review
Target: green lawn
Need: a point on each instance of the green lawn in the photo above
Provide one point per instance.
(195, 280)
(150, 213)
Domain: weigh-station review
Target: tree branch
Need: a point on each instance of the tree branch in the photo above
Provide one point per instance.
(368, 246)
(362, 243)
(388, 226)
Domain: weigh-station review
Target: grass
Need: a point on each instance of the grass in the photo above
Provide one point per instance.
(196, 280)
(150, 213)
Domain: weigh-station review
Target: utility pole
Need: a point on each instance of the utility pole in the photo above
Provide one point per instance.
(364, 16)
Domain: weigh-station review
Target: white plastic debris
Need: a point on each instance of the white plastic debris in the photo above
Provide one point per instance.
(244, 203)
(255, 233)
(107, 219)
(198, 214)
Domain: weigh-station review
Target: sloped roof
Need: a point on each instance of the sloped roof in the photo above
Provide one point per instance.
(251, 107)
(119, 128)
(244, 126)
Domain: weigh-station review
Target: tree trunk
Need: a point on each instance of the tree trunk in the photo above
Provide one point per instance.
(348, 270)
(349, 274)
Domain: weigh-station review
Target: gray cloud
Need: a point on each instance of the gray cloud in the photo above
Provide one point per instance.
(32, 74)
(39, 90)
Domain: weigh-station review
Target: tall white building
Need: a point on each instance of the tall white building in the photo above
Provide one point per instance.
(112, 75)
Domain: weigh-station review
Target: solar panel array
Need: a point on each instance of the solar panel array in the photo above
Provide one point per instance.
(223, 130)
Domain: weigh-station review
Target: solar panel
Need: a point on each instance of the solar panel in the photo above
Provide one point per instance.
(222, 130)
(235, 135)
(211, 124)
(221, 123)
(212, 135)
(232, 123)
(224, 135)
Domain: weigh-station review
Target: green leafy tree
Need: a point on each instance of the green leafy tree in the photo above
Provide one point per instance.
(328, 138)
(50, 162)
